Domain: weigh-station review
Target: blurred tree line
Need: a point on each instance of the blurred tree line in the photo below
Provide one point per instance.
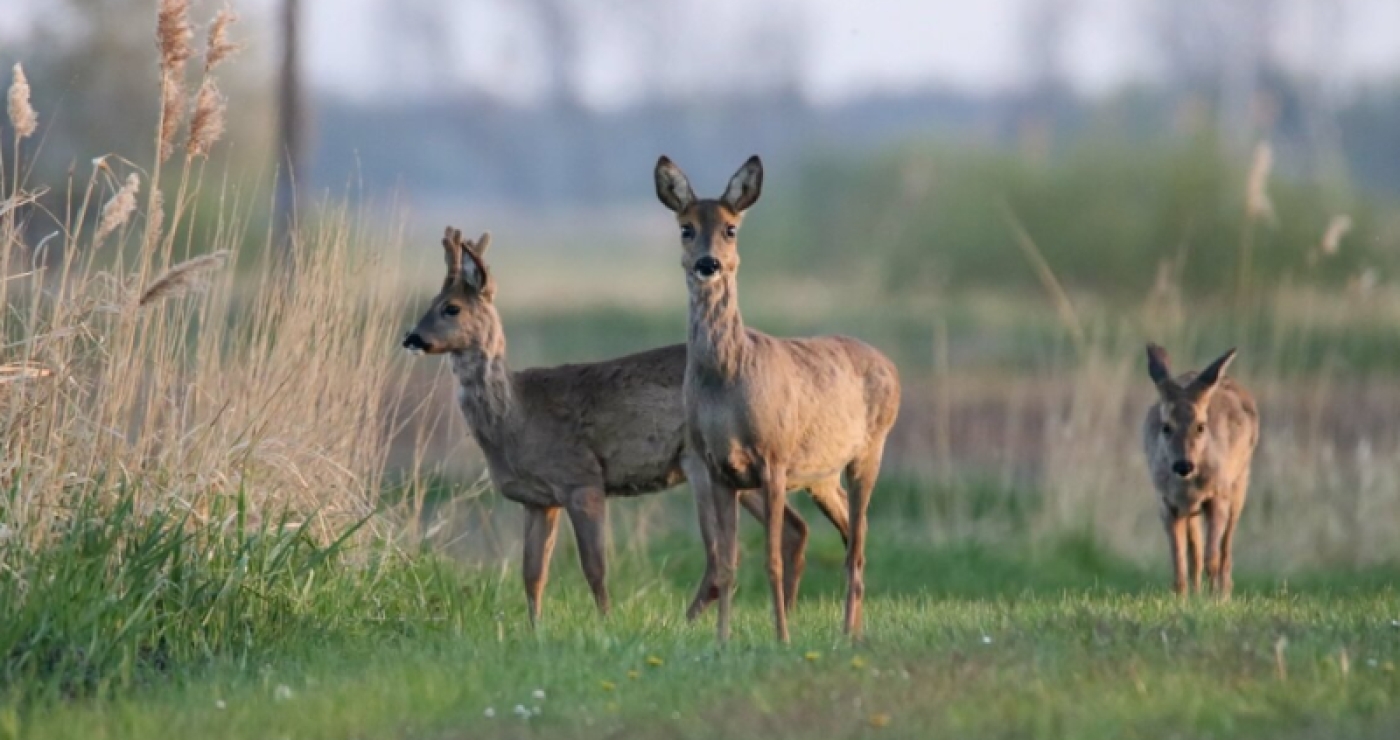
(1110, 184)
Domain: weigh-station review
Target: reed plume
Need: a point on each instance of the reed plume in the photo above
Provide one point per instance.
(183, 278)
(119, 209)
(219, 47)
(173, 36)
(22, 116)
(207, 124)
(155, 219)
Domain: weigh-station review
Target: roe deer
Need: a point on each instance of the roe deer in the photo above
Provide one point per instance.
(1199, 437)
(567, 437)
(768, 413)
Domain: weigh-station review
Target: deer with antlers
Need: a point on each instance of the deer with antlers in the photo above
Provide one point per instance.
(566, 438)
(764, 413)
(1199, 438)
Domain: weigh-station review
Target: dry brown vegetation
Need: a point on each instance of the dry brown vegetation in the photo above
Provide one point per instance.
(145, 352)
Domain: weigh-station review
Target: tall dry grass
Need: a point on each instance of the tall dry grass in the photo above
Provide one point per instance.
(137, 363)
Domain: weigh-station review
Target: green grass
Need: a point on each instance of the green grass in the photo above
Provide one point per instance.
(963, 640)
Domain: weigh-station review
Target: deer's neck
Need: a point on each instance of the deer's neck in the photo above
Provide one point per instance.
(485, 391)
(718, 345)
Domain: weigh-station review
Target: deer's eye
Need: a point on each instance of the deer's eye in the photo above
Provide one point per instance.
(730, 231)
(1200, 427)
(1166, 430)
(451, 309)
(687, 231)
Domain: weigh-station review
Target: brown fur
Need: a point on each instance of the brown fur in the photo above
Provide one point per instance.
(768, 413)
(1206, 426)
(567, 437)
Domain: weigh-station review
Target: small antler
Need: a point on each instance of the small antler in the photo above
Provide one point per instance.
(452, 247)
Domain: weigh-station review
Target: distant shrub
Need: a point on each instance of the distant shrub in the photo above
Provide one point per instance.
(1105, 214)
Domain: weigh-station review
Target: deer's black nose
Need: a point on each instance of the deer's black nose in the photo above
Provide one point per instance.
(1183, 468)
(413, 341)
(706, 266)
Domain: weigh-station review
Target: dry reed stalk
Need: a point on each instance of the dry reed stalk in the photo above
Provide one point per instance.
(1063, 306)
(1337, 228)
(1258, 205)
(11, 372)
(22, 116)
(118, 210)
(207, 124)
(183, 278)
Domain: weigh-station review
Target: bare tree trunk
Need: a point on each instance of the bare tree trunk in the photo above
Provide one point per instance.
(289, 126)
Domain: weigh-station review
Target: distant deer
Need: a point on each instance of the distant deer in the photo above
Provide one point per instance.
(767, 413)
(1199, 438)
(567, 437)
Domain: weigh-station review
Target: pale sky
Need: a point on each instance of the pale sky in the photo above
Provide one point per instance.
(856, 45)
(847, 46)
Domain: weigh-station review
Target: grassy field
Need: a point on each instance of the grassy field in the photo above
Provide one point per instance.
(230, 508)
(970, 641)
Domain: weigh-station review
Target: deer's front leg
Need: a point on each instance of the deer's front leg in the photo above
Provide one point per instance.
(541, 527)
(587, 509)
(726, 532)
(1196, 552)
(1176, 540)
(699, 478)
(1217, 513)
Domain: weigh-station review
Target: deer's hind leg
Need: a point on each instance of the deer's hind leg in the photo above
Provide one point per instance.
(775, 495)
(588, 508)
(862, 473)
(794, 547)
(832, 499)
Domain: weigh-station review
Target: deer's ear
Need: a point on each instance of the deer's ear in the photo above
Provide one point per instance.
(1158, 366)
(1209, 377)
(476, 274)
(744, 186)
(672, 186)
(481, 244)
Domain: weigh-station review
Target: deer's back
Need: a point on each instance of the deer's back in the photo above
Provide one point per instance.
(623, 415)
